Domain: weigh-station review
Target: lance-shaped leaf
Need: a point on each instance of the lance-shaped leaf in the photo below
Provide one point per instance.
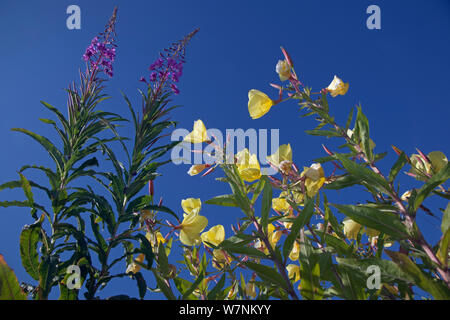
(435, 287)
(266, 203)
(267, 273)
(225, 200)
(398, 165)
(382, 221)
(303, 218)
(364, 174)
(29, 239)
(9, 286)
(436, 180)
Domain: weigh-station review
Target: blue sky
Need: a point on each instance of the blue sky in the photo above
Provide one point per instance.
(400, 75)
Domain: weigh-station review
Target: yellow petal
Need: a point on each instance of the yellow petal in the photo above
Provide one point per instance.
(135, 267)
(280, 205)
(293, 272)
(283, 69)
(258, 103)
(295, 252)
(248, 166)
(191, 205)
(215, 235)
(337, 86)
(198, 134)
(351, 229)
(196, 169)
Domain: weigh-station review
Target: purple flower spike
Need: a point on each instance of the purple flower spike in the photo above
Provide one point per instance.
(102, 52)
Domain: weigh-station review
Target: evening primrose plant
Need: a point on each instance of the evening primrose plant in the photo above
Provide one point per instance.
(290, 242)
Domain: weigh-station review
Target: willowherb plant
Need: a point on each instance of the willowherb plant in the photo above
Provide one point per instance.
(58, 243)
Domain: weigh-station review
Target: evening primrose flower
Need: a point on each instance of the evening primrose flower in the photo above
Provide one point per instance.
(337, 86)
(191, 205)
(295, 252)
(282, 158)
(191, 227)
(248, 166)
(135, 267)
(198, 134)
(215, 235)
(273, 237)
(293, 272)
(280, 205)
(315, 178)
(258, 103)
(283, 69)
(197, 168)
(351, 229)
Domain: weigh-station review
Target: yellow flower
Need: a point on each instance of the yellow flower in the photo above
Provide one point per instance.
(438, 160)
(351, 229)
(295, 252)
(406, 195)
(155, 238)
(273, 237)
(135, 267)
(293, 272)
(220, 259)
(337, 86)
(283, 154)
(191, 227)
(280, 205)
(283, 69)
(215, 235)
(198, 134)
(258, 103)
(248, 165)
(315, 178)
(196, 169)
(191, 205)
(371, 143)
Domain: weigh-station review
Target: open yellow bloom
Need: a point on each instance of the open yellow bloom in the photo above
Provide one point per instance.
(282, 155)
(198, 134)
(293, 272)
(315, 178)
(191, 227)
(258, 103)
(215, 235)
(196, 169)
(351, 229)
(283, 69)
(295, 252)
(273, 237)
(135, 267)
(191, 205)
(280, 205)
(337, 86)
(248, 165)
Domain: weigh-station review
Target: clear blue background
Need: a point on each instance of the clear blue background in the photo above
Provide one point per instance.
(400, 75)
